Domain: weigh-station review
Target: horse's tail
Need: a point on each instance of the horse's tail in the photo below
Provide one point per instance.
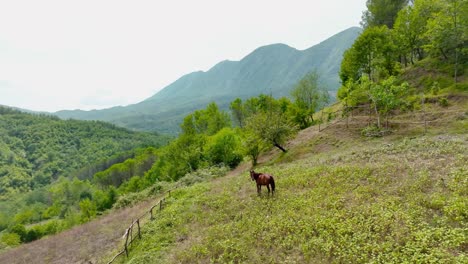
(272, 184)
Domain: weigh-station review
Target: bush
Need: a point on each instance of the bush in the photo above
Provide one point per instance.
(224, 148)
(373, 131)
(203, 175)
(11, 239)
(443, 101)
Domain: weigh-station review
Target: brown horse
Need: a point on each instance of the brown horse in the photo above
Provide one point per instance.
(263, 179)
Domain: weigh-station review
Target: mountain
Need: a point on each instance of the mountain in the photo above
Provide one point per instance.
(272, 69)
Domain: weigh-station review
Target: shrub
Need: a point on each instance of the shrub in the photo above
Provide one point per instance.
(203, 175)
(373, 131)
(11, 239)
(443, 101)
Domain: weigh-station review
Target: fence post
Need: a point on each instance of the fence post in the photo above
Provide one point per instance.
(370, 115)
(138, 224)
(126, 242)
(321, 119)
(131, 232)
(347, 117)
(151, 213)
(424, 113)
(425, 122)
(160, 204)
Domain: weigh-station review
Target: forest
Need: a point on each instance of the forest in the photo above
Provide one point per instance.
(69, 172)
(43, 161)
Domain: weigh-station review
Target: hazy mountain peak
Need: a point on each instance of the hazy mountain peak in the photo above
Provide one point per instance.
(271, 68)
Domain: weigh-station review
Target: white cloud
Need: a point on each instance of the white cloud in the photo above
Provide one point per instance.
(95, 54)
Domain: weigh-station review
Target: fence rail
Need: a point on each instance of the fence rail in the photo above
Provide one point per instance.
(128, 236)
(423, 118)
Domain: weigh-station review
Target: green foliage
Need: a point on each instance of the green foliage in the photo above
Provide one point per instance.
(10, 239)
(273, 128)
(35, 150)
(203, 175)
(373, 53)
(447, 32)
(443, 101)
(386, 95)
(381, 12)
(308, 97)
(206, 121)
(224, 148)
(411, 27)
(238, 112)
(121, 172)
(88, 210)
(253, 146)
(427, 41)
(372, 131)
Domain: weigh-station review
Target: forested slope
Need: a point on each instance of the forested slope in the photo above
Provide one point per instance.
(36, 149)
(47, 167)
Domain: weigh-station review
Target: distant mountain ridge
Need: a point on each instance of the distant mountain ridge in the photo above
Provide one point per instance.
(271, 69)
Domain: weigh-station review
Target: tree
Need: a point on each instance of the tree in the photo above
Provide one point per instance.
(448, 32)
(308, 96)
(252, 146)
(11, 239)
(373, 53)
(384, 96)
(206, 121)
(272, 127)
(88, 210)
(382, 12)
(224, 148)
(238, 112)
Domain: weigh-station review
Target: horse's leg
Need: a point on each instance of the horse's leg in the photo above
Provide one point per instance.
(268, 187)
(259, 187)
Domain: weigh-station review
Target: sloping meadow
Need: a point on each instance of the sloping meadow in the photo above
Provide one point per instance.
(403, 201)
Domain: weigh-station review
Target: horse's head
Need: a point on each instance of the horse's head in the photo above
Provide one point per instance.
(252, 174)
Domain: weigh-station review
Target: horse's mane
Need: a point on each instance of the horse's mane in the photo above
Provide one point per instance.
(255, 174)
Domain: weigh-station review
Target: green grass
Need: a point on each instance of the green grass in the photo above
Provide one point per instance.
(383, 201)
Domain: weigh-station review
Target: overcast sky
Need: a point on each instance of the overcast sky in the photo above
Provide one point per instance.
(93, 54)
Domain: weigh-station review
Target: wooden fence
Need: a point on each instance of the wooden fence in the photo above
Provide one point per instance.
(421, 118)
(134, 230)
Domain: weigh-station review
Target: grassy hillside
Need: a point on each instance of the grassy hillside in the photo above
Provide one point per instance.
(341, 198)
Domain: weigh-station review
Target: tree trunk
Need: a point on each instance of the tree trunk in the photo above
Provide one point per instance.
(443, 53)
(280, 147)
(456, 64)
(377, 114)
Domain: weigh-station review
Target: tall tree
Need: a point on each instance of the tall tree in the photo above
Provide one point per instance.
(206, 121)
(272, 127)
(382, 12)
(448, 32)
(410, 27)
(373, 53)
(238, 112)
(308, 95)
